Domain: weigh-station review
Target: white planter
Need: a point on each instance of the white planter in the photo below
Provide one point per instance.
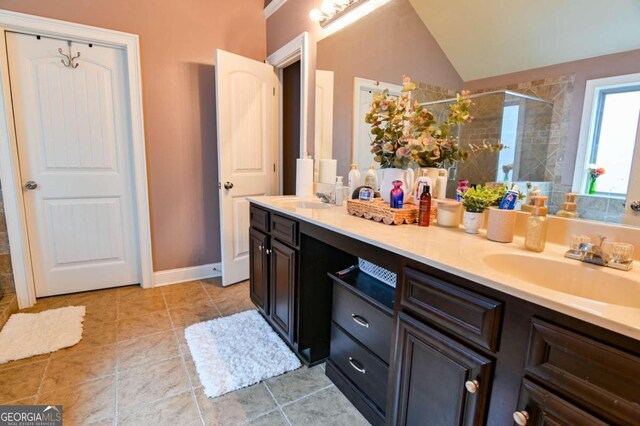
(472, 222)
(389, 175)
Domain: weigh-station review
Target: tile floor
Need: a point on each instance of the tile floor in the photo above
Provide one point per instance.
(133, 367)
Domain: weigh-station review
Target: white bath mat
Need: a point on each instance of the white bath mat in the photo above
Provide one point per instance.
(26, 335)
(237, 351)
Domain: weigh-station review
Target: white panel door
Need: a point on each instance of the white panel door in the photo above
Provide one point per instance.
(631, 216)
(247, 143)
(73, 132)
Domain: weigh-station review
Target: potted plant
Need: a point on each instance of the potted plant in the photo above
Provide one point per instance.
(475, 201)
(405, 134)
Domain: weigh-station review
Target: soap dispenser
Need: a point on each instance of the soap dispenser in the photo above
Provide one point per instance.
(569, 206)
(371, 178)
(536, 234)
(339, 191)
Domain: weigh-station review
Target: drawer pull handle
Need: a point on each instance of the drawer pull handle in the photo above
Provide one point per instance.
(360, 321)
(354, 363)
(521, 417)
(472, 386)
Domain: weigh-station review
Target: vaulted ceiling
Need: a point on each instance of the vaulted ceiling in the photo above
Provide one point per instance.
(484, 38)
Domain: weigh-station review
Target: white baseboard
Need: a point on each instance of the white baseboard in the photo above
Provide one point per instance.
(180, 275)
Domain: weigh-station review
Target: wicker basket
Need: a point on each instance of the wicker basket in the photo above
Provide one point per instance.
(380, 211)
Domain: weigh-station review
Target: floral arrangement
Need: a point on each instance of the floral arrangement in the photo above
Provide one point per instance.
(478, 199)
(594, 171)
(406, 133)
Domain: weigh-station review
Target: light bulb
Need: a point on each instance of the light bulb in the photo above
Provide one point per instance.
(328, 7)
(316, 15)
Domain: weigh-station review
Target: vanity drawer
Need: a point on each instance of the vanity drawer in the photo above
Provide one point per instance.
(470, 315)
(364, 369)
(364, 321)
(259, 219)
(286, 230)
(595, 375)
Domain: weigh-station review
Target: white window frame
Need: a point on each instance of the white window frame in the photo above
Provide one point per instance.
(593, 89)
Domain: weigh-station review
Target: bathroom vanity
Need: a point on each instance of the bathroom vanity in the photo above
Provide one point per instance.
(458, 341)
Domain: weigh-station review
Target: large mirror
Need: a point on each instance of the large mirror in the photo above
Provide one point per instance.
(558, 84)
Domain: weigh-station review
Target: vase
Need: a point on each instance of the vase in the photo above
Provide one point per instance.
(472, 222)
(592, 185)
(389, 175)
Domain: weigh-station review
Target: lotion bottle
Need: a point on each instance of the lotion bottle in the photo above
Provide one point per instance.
(339, 191)
(353, 178)
(536, 234)
(441, 185)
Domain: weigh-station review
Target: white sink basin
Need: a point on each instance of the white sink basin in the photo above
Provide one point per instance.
(596, 283)
(298, 204)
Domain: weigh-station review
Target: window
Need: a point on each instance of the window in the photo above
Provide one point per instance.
(613, 107)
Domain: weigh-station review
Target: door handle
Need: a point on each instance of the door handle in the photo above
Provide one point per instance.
(31, 185)
(228, 185)
(635, 206)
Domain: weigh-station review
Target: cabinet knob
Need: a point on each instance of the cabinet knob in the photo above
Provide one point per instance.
(521, 417)
(268, 251)
(472, 386)
(260, 247)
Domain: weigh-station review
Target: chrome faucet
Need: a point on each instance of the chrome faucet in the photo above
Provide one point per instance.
(325, 198)
(594, 254)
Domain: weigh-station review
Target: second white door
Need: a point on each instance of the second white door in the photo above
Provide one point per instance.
(247, 135)
(73, 131)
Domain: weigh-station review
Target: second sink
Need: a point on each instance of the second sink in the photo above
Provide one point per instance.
(582, 280)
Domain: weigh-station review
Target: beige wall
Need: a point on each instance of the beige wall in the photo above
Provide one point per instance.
(374, 48)
(177, 42)
(583, 70)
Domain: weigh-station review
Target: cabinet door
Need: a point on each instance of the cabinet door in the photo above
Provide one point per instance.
(539, 407)
(282, 283)
(259, 271)
(430, 379)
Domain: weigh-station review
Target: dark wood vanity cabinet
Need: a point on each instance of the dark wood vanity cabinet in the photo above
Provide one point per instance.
(437, 381)
(282, 282)
(259, 269)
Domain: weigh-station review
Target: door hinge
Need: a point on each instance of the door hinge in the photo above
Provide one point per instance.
(274, 91)
(274, 167)
(219, 185)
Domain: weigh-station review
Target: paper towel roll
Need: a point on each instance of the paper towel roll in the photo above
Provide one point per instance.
(328, 170)
(304, 177)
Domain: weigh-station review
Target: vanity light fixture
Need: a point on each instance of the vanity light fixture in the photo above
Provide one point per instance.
(330, 10)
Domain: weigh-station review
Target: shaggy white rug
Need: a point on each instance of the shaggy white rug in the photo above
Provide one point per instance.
(237, 351)
(26, 335)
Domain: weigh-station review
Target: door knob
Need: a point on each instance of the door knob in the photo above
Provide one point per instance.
(521, 417)
(635, 206)
(228, 185)
(472, 386)
(31, 185)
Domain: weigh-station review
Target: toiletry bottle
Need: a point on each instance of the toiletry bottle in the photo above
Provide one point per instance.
(371, 178)
(419, 187)
(441, 185)
(353, 180)
(397, 195)
(569, 206)
(424, 214)
(339, 191)
(536, 234)
(528, 206)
